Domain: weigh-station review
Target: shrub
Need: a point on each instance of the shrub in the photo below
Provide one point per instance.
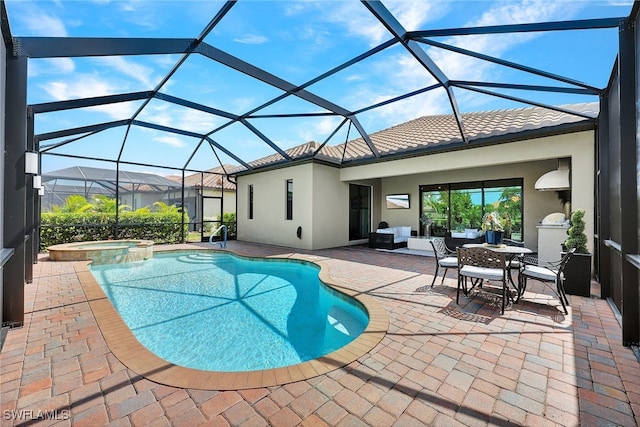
(229, 219)
(64, 227)
(577, 238)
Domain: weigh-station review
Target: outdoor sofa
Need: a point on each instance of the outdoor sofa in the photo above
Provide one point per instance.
(390, 238)
(455, 240)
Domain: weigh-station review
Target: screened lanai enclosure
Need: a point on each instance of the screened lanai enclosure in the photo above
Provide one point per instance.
(199, 103)
(119, 193)
(131, 189)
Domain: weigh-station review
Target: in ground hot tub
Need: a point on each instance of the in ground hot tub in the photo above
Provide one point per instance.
(103, 251)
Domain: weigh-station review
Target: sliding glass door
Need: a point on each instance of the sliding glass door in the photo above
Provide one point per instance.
(359, 211)
(460, 206)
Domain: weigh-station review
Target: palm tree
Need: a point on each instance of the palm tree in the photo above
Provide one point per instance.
(73, 204)
(104, 204)
(162, 207)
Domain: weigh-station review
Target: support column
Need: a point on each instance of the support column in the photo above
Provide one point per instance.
(629, 184)
(14, 192)
(603, 179)
(30, 195)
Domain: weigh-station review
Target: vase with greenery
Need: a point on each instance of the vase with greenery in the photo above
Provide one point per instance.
(493, 226)
(577, 272)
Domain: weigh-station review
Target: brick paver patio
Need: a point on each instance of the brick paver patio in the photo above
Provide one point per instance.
(439, 364)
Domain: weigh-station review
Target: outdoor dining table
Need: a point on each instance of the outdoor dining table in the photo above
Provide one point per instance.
(510, 252)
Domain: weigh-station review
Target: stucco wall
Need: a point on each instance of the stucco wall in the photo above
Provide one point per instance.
(320, 207)
(330, 214)
(321, 193)
(525, 159)
(537, 204)
(269, 209)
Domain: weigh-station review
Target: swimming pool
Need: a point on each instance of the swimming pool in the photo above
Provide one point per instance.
(218, 312)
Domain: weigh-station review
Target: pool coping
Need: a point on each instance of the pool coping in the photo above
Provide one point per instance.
(102, 251)
(124, 345)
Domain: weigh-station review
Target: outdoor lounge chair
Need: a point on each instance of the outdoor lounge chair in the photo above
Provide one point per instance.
(444, 258)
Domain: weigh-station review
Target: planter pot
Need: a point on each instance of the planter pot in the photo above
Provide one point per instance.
(493, 237)
(577, 275)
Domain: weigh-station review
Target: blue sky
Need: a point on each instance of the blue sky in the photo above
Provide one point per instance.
(296, 41)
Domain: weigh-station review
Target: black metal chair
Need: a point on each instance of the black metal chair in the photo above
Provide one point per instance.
(481, 264)
(554, 273)
(511, 242)
(516, 262)
(444, 258)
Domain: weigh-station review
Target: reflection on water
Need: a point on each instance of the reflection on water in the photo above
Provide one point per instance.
(219, 312)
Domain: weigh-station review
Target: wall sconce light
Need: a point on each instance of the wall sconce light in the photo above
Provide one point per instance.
(31, 163)
(37, 182)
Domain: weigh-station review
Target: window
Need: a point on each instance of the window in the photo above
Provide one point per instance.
(459, 206)
(250, 191)
(289, 199)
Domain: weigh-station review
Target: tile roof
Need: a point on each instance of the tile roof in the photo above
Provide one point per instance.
(440, 131)
(214, 178)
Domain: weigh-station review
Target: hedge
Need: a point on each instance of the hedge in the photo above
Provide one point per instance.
(60, 227)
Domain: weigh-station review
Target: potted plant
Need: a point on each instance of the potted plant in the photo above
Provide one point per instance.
(577, 272)
(492, 225)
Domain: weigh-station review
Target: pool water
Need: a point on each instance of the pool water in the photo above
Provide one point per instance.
(219, 312)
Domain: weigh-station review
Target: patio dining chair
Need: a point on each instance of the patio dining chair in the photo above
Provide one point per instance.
(554, 273)
(444, 258)
(482, 266)
(516, 262)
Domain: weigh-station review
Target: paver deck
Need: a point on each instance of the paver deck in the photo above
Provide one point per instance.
(439, 363)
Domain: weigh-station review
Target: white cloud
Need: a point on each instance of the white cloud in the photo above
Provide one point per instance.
(455, 66)
(358, 21)
(88, 86)
(242, 103)
(354, 77)
(57, 66)
(127, 6)
(129, 68)
(620, 3)
(252, 39)
(172, 141)
(170, 115)
(462, 67)
(197, 121)
(81, 86)
(39, 23)
(413, 15)
(318, 130)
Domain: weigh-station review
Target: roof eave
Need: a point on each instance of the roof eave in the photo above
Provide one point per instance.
(564, 128)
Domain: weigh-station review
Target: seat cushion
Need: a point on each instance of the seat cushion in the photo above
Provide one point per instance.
(482, 272)
(384, 231)
(541, 273)
(448, 262)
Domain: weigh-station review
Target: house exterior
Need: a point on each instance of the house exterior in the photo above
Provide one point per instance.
(523, 143)
(133, 189)
(208, 194)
